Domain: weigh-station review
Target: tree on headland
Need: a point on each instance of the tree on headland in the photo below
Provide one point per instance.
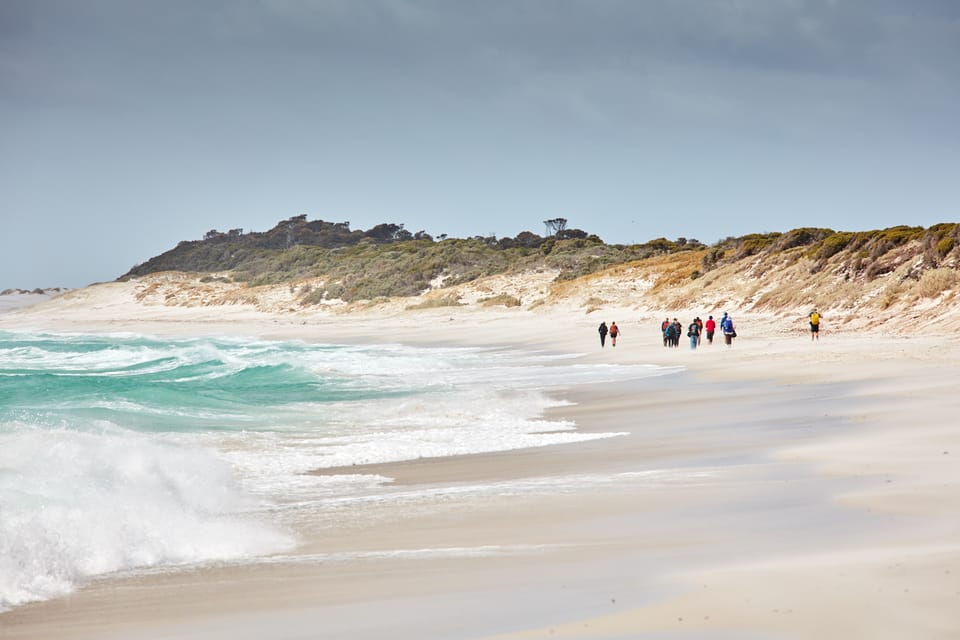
(555, 226)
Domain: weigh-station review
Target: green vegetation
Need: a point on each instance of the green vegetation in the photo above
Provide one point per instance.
(388, 260)
(945, 246)
(834, 244)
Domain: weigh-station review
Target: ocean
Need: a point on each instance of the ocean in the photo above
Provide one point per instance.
(127, 453)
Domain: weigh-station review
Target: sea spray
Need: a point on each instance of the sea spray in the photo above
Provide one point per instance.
(79, 504)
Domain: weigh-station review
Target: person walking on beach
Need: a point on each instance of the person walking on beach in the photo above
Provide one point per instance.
(726, 326)
(699, 328)
(711, 326)
(673, 335)
(814, 325)
(693, 332)
(663, 329)
(603, 333)
(614, 332)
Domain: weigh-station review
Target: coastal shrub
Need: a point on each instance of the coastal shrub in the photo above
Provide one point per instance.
(878, 268)
(801, 237)
(900, 234)
(435, 302)
(834, 244)
(754, 243)
(661, 245)
(503, 299)
(711, 258)
(889, 296)
(935, 281)
(944, 246)
(880, 249)
(943, 228)
(317, 296)
(335, 291)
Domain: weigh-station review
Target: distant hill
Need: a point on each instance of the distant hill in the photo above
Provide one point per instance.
(11, 299)
(388, 261)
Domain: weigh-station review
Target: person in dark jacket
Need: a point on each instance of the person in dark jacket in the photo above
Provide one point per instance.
(673, 334)
(693, 332)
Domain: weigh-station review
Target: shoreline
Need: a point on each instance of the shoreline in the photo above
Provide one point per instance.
(766, 490)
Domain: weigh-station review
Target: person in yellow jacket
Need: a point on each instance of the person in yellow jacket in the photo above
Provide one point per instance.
(814, 325)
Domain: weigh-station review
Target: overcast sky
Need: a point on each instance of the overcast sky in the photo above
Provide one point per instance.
(127, 126)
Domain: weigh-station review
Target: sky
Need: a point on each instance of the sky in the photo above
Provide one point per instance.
(127, 126)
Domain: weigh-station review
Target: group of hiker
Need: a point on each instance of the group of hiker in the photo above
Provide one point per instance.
(613, 330)
(672, 330)
(696, 330)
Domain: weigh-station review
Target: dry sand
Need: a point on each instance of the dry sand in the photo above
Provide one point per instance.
(776, 489)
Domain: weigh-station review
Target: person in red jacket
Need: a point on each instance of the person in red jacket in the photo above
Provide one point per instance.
(711, 326)
(614, 332)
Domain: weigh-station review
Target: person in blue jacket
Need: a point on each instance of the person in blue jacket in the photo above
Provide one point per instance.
(726, 327)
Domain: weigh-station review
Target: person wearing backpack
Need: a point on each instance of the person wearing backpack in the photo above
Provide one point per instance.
(693, 332)
(729, 333)
(603, 333)
(614, 332)
(814, 325)
(673, 334)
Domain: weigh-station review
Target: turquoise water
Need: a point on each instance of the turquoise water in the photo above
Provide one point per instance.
(120, 452)
(152, 385)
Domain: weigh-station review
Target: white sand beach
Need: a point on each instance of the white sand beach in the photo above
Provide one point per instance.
(780, 488)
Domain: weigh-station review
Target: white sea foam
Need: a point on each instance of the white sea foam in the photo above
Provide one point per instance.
(471, 420)
(75, 505)
(150, 472)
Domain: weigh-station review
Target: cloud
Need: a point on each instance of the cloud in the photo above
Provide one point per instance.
(471, 49)
(249, 111)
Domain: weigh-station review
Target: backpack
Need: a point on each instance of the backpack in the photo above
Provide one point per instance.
(814, 318)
